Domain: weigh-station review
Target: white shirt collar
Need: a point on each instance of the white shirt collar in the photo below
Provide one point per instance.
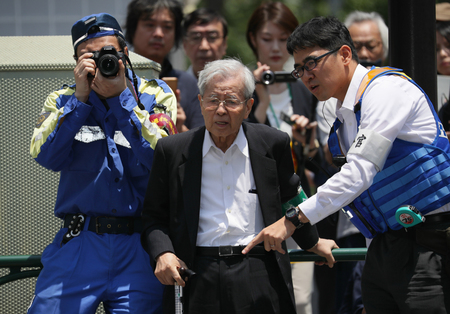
(240, 141)
(349, 100)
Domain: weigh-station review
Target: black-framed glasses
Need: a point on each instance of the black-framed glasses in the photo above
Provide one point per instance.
(212, 103)
(310, 64)
(197, 37)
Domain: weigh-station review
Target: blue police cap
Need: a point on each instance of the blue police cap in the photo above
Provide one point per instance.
(95, 25)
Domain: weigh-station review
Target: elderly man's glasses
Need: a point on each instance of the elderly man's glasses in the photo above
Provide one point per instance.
(212, 103)
(310, 64)
(370, 45)
(197, 37)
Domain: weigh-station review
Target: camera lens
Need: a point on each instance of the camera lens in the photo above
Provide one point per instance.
(108, 65)
(268, 77)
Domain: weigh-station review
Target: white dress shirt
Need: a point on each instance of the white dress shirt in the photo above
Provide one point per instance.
(392, 107)
(229, 213)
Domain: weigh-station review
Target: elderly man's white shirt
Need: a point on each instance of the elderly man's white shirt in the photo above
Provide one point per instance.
(229, 214)
(392, 107)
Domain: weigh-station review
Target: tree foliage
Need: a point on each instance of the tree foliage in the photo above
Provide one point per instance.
(237, 13)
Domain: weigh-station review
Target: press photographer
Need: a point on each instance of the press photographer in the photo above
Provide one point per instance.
(100, 135)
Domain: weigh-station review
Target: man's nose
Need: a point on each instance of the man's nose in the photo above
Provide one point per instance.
(158, 31)
(364, 53)
(307, 75)
(204, 44)
(221, 109)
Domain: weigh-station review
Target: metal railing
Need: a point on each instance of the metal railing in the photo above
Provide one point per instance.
(16, 263)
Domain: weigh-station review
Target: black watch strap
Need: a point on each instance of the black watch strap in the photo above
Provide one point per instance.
(292, 216)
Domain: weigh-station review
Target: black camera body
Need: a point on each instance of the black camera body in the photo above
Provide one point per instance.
(270, 77)
(107, 60)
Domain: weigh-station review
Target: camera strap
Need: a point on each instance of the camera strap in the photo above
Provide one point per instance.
(134, 90)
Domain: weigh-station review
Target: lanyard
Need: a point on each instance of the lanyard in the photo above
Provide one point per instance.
(273, 111)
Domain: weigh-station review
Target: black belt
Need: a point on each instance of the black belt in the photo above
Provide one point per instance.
(436, 218)
(228, 251)
(112, 225)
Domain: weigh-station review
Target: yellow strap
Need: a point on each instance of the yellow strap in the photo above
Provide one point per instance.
(372, 74)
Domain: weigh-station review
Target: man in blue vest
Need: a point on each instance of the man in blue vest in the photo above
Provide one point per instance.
(394, 174)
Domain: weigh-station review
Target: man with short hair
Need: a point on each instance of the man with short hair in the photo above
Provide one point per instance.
(204, 38)
(395, 158)
(153, 27)
(100, 134)
(211, 191)
(370, 36)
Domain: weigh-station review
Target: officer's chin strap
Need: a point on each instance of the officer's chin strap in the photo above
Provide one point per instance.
(135, 83)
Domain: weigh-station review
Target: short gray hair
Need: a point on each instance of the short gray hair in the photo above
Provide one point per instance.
(227, 68)
(359, 16)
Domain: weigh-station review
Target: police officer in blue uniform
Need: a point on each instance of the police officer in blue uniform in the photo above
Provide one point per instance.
(100, 135)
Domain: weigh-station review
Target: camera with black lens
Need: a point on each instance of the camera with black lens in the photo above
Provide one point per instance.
(107, 60)
(270, 77)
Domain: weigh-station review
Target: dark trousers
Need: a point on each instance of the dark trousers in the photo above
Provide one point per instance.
(408, 273)
(237, 285)
(344, 271)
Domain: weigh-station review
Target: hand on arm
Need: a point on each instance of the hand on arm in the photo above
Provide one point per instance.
(167, 269)
(275, 234)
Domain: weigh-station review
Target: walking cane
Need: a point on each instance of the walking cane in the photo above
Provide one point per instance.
(184, 273)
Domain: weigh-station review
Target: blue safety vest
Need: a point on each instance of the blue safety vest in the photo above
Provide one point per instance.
(414, 174)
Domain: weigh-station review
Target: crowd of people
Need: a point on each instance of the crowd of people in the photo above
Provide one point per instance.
(208, 175)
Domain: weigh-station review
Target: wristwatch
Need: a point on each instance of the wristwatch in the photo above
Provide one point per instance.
(292, 216)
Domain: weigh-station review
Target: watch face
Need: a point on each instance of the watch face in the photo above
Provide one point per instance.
(291, 212)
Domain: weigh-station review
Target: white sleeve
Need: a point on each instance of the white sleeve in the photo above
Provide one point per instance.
(392, 107)
(371, 146)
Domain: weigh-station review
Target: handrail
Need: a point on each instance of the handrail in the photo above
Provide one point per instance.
(16, 262)
(340, 255)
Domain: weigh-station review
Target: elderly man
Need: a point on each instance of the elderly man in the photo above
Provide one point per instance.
(370, 36)
(394, 152)
(100, 134)
(205, 38)
(211, 191)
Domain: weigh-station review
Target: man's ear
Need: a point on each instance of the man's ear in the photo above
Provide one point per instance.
(248, 106)
(125, 50)
(346, 54)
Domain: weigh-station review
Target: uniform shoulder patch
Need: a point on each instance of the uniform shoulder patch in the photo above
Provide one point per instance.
(42, 117)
